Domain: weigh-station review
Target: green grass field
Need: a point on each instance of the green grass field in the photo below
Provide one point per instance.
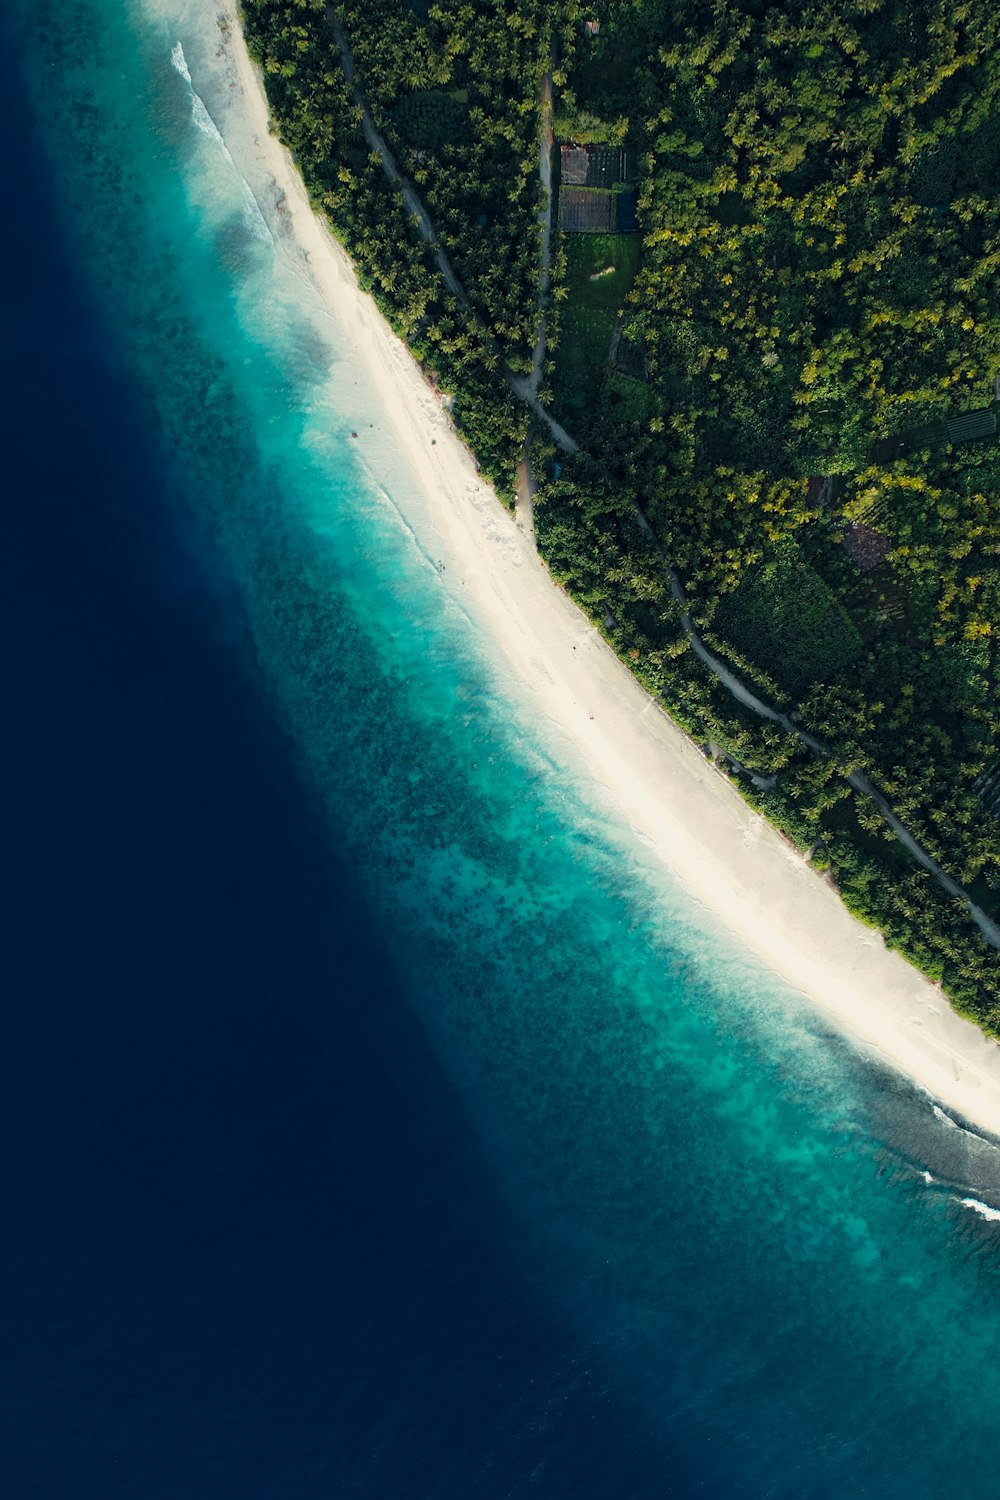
(589, 313)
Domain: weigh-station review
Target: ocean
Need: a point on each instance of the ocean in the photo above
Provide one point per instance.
(378, 1119)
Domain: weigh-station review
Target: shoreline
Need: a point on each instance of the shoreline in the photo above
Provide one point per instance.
(660, 786)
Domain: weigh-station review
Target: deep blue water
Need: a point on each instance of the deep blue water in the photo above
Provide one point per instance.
(373, 1122)
(249, 1245)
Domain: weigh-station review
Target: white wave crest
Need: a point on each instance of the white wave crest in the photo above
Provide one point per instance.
(204, 121)
(180, 61)
(252, 216)
(973, 1135)
(983, 1209)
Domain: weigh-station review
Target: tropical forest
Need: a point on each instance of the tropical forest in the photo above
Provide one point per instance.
(717, 285)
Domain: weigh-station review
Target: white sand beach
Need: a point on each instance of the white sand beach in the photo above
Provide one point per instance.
(659, 782)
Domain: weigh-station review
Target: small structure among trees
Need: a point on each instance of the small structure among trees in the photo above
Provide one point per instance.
(865, 546)
(819, 491)
(971, 425)
(594, 211)
(596, 166)
(595, 191)
(987, 788)
(963, 427)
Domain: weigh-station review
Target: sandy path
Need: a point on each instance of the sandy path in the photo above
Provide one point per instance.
(600, 720)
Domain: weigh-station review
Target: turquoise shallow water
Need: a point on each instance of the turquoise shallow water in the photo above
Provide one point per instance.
(723, 1203)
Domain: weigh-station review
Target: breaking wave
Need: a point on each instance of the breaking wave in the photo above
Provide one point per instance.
(983, 1209)
(252, 216)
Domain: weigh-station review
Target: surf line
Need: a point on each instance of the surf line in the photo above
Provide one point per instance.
(252, 216)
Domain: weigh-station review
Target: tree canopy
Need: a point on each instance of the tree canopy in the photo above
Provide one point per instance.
(767, 372)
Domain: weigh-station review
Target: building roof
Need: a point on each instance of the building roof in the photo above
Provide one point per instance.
(819, 491)
(865, 546)
(627, 223)
(585, 210)
(573, 163)
(972, 424)
(595, 166)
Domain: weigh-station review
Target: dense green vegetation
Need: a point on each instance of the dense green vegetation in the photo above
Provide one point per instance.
(787, 620)
(427, 120)
(599, 270)
(456, 98)
(814, 293)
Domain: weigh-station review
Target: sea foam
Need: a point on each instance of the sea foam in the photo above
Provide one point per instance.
(566, 998)
(983, 1209)
(252, 216)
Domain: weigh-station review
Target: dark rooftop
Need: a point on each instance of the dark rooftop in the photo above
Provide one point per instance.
(819, 491)
(596, 166)
(972, 424)
(594, 211)
(865, 546)
(573, 166)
